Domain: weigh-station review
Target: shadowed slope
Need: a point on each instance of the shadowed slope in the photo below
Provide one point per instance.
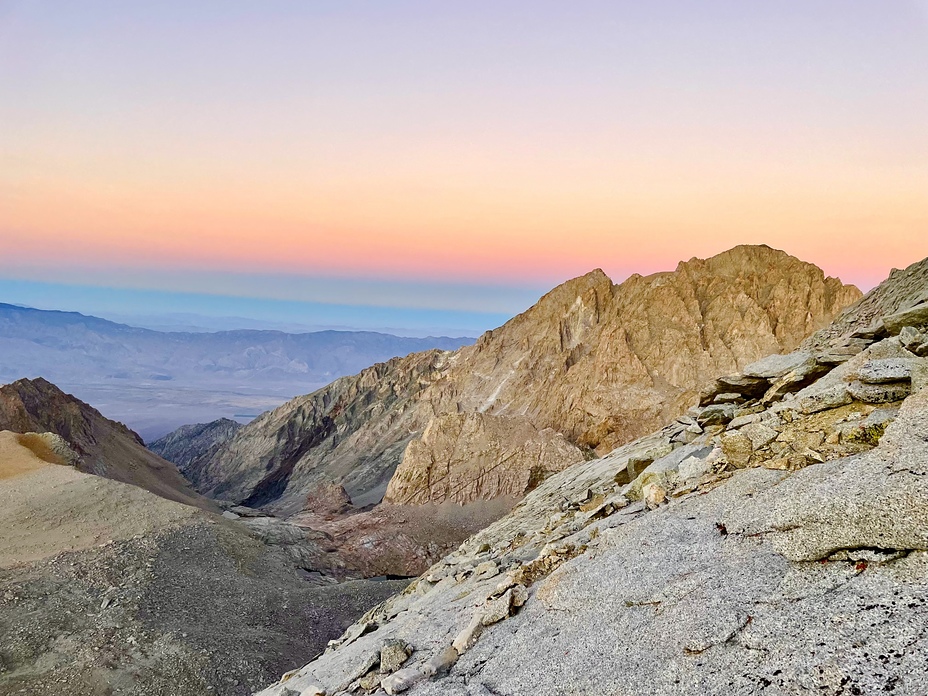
(105, 448)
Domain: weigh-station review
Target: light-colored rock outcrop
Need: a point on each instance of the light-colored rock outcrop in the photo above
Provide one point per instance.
(352, 432)
(782, 551)
(189, 444)
(597, 362)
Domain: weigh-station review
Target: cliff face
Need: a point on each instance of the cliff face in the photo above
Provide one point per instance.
(352, 432)
(606, 363)
(462, 458)
(773, 541)
(599, 363)
(104, 447)
(191, 443)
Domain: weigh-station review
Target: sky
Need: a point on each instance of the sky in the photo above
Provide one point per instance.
(436, 166)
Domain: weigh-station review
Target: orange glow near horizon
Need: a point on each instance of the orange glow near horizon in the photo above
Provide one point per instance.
(564, 143)
(535, 230)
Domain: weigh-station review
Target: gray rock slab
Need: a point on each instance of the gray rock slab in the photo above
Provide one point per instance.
(914, 341)
(879, 393)
(885, 370)
(717, 414)
(711, 593)
(916, 316)
(759, 434)
(775, 366)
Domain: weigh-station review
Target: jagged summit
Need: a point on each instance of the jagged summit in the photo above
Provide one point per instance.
(597, 362)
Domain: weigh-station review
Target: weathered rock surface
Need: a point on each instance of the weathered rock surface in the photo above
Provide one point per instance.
(902, 290)
(599, 363)
(464, 458)
(352, 432)
(775, 366)
(914, 341)
(191, 443)
(916, 317)
(104, 447)
(794, 561)
(885, 370)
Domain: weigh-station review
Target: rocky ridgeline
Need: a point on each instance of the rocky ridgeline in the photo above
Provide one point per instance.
(450, 441)
(190, 444)
(104, 447)
(773, 539)
(594, 362)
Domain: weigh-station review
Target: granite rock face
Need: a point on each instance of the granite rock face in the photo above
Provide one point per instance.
(782, 551)
(903, 290)
(464, 458)
(599, 363)
(352, 432)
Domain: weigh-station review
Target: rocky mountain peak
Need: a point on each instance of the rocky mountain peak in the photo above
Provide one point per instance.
(595, 362)
(761, 542)
(37, 403)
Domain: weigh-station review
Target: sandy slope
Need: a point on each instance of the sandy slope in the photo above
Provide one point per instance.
(47, 508)
(106, 588)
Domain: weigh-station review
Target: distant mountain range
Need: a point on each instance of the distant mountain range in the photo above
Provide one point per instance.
(155, 381)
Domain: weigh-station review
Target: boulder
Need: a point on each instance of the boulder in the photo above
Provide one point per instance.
(740, 421)
(872, 332)
(393, 654)
(919, 375)
(402, 680)
(752, 387)
(468, 636)
(774, 367)
(826, 399)
(440, 663)
(499, 607)
(879, 393)
(717, 414)
(885, 371)
(737, 448)
(728, 398)
(914, 341)
(759, 434)
(732, 387)
(838, 354)
(693, 467)
(913, 316)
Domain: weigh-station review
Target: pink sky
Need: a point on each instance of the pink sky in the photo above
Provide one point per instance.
(476, 143)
